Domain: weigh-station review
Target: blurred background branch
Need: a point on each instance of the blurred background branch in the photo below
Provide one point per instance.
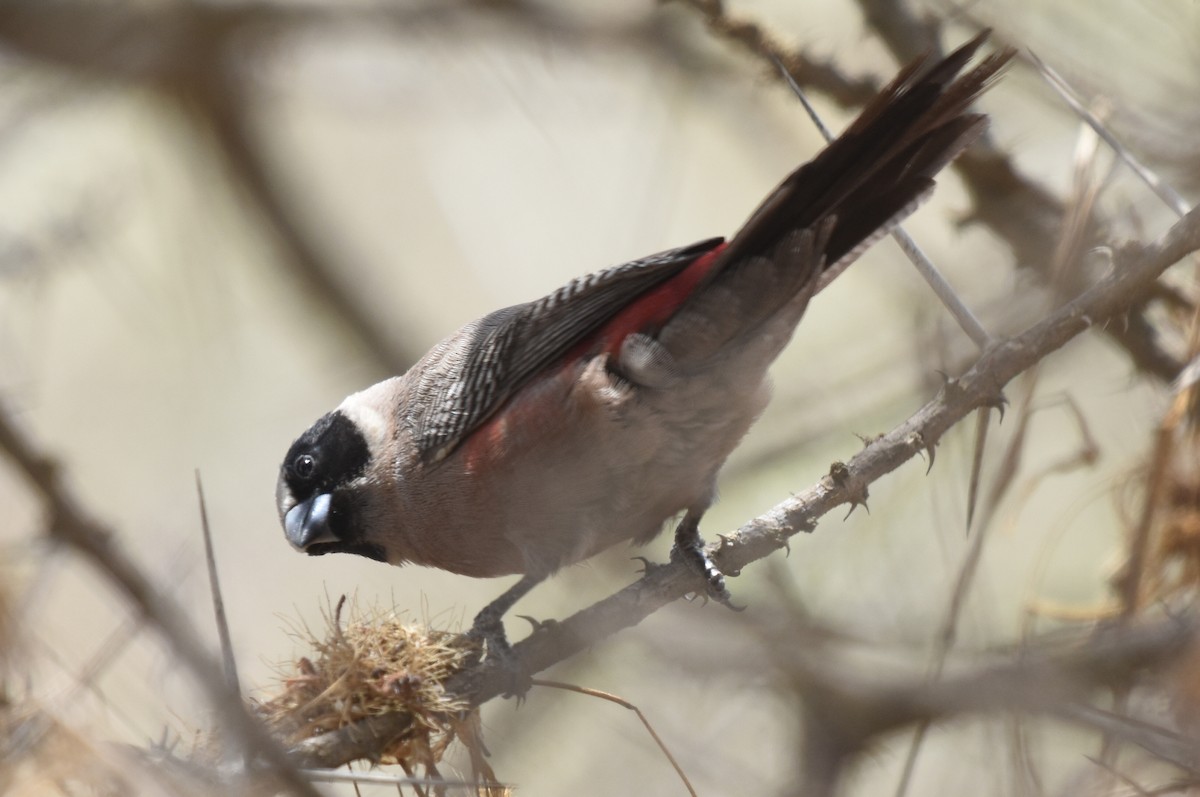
(69, 524)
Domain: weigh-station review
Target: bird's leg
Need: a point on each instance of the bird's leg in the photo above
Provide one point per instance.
(689, 548)
(488, 626)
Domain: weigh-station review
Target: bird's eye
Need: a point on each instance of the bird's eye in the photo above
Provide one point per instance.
(304, 466)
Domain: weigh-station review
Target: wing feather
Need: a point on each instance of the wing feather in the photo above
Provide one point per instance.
(505, 349)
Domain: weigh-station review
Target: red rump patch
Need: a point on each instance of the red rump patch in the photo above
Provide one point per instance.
(651, 310)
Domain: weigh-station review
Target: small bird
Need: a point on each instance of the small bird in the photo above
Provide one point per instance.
(546, 432)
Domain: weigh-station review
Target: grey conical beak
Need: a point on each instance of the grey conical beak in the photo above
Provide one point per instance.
(307, 523)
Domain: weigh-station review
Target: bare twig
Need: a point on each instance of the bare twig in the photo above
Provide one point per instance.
(70, 524)
(948, 631)
(906, 34)
(214, 583)
(823, 76)
(383, 779)
(1160, 187)
(847, 710)
(1085, 190)
(583, 690)
(925, 267)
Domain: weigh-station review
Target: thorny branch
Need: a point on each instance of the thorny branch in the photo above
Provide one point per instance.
(1134, 272)
(823, 76)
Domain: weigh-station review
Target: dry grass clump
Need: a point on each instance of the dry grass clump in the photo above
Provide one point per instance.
(376, 664)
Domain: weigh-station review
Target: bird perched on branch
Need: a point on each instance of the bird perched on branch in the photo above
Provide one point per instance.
(543, 433)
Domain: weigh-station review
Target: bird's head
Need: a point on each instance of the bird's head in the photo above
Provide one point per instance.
(332, 485)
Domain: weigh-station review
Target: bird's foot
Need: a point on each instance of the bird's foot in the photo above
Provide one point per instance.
(488, 631)
(497, 654)
(689, 549)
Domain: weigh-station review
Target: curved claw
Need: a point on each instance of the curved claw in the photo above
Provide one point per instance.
(538, 625)
(489, 632)
(719, 593)
(517, 680)
(648, 566)
(998, 403)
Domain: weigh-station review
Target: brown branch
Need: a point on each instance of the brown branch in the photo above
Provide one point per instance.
(1134, 273)
(1027, 217)
(184, 51)
(847, 711)
(903, 32)
(70, 524)
(620, 701)
(821, 75)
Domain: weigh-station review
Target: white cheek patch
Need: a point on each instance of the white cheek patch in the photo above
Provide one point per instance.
(363, 410)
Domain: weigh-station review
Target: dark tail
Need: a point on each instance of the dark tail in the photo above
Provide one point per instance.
(881, 168)
(827, 212)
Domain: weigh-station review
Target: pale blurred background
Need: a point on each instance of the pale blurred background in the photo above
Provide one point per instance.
(448, 159)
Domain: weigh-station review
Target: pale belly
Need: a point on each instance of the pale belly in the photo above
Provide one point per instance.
(584, 462)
